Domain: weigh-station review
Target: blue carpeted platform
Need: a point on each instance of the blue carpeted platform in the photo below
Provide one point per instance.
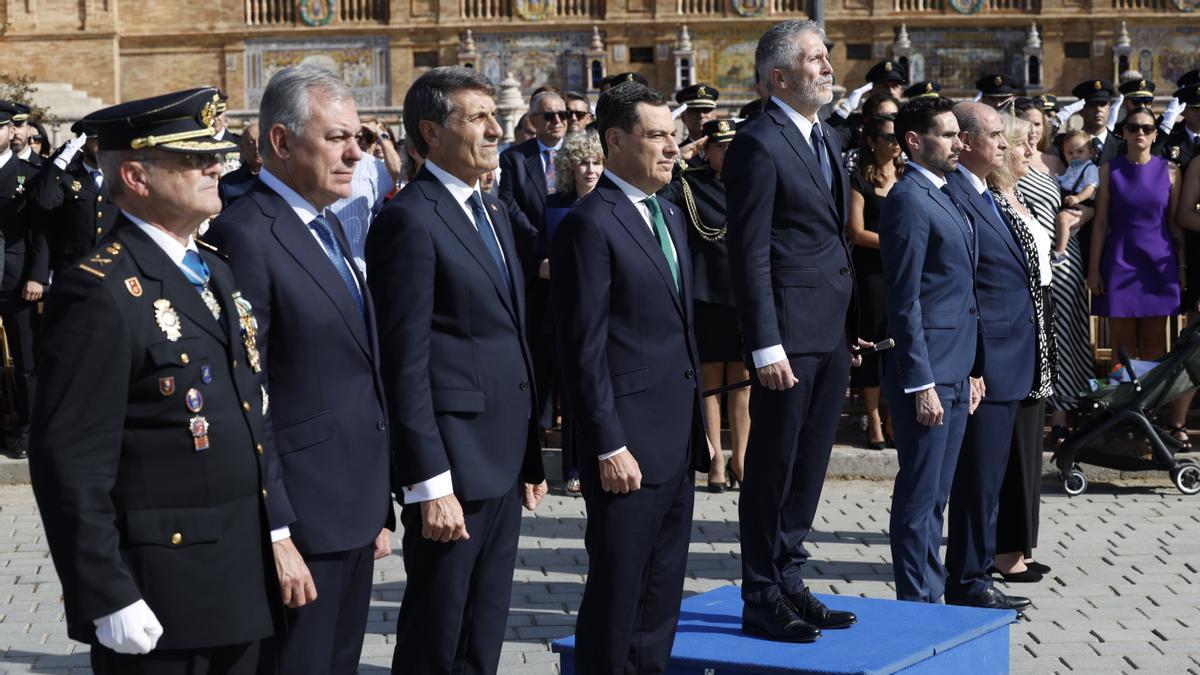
(890, 637)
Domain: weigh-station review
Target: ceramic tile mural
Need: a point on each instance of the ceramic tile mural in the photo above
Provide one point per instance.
(535, 59)
(956, 57)
(361, 62)
(1164, 54)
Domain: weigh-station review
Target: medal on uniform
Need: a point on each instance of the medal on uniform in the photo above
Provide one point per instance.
(210, 301)
(265, 399)
(249, 330)
(134, 286)
(166, 386)
(20, 184)
(194, 400)
(199, 428)
(206, 374)
(167, 319)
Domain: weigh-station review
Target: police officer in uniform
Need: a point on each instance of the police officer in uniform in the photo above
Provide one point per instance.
(1097, 96)
(74, 208)
(997, 89)
(147, 445)
(1183, 143)
(701, 102)
(884, 79)
(16, 295)
(23, 124)
(923, 89)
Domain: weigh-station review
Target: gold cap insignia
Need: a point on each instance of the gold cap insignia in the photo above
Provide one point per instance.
(723, 126)
(887, 66)
(928, 87)
(1097, 86)
(701, 92)
(1141, 84)
(999, 80)
(208, 114)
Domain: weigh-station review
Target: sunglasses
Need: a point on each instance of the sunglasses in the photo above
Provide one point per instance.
(578, 114)
(1146, 129)
(560, 115)
(887, 138)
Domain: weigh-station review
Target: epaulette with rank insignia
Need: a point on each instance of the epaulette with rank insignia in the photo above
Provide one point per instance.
(100, 260)
(211, 249)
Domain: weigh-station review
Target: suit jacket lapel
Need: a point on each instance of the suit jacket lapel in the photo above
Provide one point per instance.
(508, 244)
(807, 157)
(301, 244)
(633, 222)
(969, 237)
(533, 163)
(988, 215)
(678, 232)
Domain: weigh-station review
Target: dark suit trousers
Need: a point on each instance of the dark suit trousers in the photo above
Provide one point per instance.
(637, 547)
(326, 636)
(791, 437)
(975, 498)
(455, 607)
(227, 660)
(18, 328)
(927, 457)
(540, 331)
(1021, 493)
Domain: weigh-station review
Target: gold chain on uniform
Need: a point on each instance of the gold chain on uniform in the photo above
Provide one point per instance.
(689, 202)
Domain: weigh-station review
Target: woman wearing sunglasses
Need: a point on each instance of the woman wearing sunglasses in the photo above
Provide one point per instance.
(880, 165)
(1137, 252)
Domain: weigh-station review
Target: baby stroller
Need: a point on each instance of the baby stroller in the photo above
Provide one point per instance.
(1121, 435)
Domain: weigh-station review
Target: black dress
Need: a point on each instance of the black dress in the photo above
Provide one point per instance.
(868, 268)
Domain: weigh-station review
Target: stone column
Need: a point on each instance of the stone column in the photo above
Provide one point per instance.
(511, 105)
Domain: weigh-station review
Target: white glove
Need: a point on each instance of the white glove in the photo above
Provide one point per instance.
(133, 630)
(850, 103)
(978, 96)
(1114, 111)
(1174, 108)
(68, 152)
(1069, 111)
(678, 111)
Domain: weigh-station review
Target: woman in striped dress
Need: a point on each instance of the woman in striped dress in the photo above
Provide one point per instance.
(1068, 290)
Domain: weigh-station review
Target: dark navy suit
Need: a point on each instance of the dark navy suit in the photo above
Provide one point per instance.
(457, 372)
(328, 458)
(928, 250)
(235, 184)
(1010, 342)
(630, 370)
(792, 284)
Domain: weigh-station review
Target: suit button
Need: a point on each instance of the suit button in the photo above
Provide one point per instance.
(1031, 319)
(184, 358)
(264, 492)
(176, 538)
(844, 271)
(99, 230)
(245, 406)
(99, 214)
(524, 386)
(258, 448)
(690, 374)
(971, 311)
(234, 364)
(99, 199)
(381, 425)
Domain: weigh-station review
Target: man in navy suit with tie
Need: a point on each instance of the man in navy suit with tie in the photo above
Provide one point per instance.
(929, 250)
(622, 292)
(1010, 341)
(792, 280)
(458, 376)
(329, 492)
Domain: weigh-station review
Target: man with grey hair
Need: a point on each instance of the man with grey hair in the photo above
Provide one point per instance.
(792, 281)
(458, 373)
(329, 493)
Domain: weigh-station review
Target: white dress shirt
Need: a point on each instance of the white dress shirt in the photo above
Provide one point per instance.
(5, 156)
(169, 244)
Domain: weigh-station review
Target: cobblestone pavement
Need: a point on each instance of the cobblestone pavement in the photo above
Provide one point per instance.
(1123, 595)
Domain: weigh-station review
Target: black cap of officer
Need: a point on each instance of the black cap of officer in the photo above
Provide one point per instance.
(887, 71)
(1047, 102)
(719, 131)
(1190, 77)
(7, 110)
(1093, 91)
(178, 122)
(698, 96)
(622, 78)
(1138, 90)
(22, 114)
(1189, 95)
(996, 84)
(923, 89)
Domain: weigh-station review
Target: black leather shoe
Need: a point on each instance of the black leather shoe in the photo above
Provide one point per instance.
(1038, 567)
(992, 598)
(777, 621)
(813, 611)
(1025, 576)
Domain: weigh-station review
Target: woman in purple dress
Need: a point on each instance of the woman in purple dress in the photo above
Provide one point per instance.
(1137, 249)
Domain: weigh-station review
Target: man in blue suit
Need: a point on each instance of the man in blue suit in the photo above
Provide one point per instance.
(792, 280)
(1009, 339)
(622, 293)
(329, 492)
(928, 246)
(458, 376)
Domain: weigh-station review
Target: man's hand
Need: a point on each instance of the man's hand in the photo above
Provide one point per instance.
(978, 391)
(856, 356)
(929, 407)
(32, 292)
(383, 544)
(132, 630)
(777, 376)
(532, 495)
(620, 473)
(442, 520)
(689, 151)
(294, 579)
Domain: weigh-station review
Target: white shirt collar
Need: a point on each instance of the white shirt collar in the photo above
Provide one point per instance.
(976, 181)
(26, 153)
(1102, 136)
(1195, 136)
(170, 245)
(542, 147)
(938, 181)
(458, 189)
(220, 134)
(5, 156)
(304, 210)
(635, 195)
(802, 123)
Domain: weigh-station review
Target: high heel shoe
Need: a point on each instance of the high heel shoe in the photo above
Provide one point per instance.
(731, 478)
(1025, 576)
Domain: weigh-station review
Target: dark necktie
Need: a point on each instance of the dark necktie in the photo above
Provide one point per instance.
(962, 213)
(1097, 148)
(324, 231)
(818, 142)
(488, 236)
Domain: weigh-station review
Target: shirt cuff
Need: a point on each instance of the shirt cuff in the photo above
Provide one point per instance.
(614, 453)
(913, 390)
(429, 490)
(279, 534)
(768, 355)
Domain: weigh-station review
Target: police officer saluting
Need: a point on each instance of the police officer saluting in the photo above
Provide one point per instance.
(146, 451)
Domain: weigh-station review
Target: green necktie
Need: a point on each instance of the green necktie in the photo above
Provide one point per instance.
(664, 239)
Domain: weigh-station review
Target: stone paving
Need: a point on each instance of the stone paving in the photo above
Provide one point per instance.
(1123, 595)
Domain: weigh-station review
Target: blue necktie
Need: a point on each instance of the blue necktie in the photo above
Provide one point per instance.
(488, 237)
(324, 231)
(196, 270)
(818, 141)
(987, 196)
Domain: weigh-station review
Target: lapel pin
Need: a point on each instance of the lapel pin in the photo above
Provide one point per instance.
(166, 386)
(134, 286)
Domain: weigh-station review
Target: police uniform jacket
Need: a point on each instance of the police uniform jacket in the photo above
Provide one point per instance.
(73, 216)
(700, 192)
(1178, 146)
(15, 178)
(133, 506)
